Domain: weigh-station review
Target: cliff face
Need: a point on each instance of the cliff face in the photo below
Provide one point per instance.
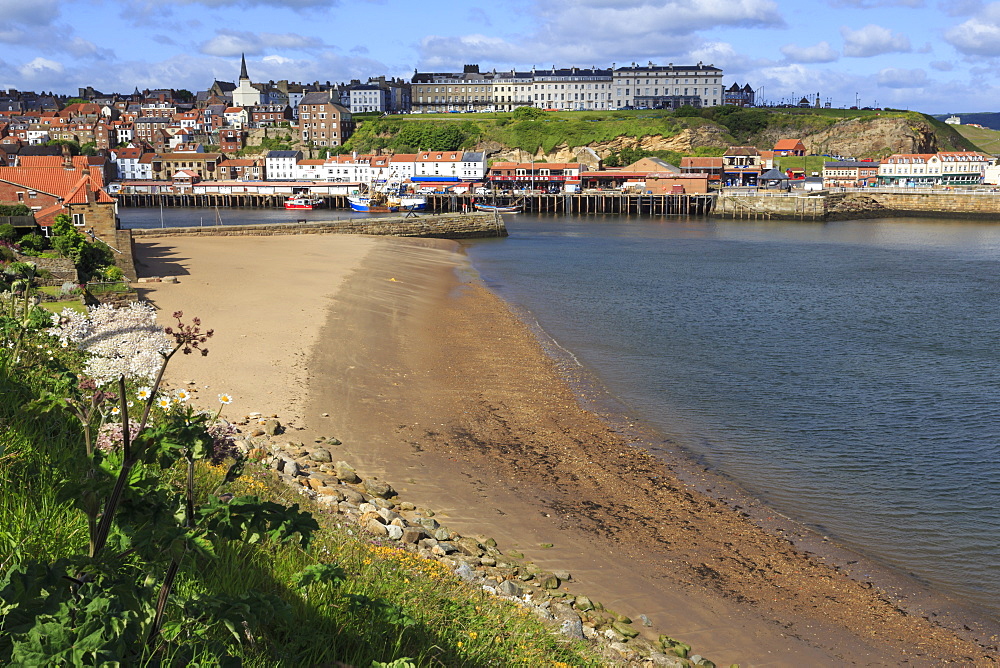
(873, 137)
(683, 142)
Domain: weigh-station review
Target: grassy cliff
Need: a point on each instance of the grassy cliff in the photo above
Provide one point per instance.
(858, 133)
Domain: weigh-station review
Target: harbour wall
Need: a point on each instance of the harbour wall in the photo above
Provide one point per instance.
(572, 203)
(824, 205)
(452, 226)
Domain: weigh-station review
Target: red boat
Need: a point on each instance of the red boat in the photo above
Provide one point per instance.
(302, 202)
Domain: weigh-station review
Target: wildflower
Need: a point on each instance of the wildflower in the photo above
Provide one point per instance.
(115, 410)
(225, 398)
(182, 395)
(120, 341)
(163, 402)
(143, 393)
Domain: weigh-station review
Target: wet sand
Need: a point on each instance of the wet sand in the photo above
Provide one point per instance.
(434, 385)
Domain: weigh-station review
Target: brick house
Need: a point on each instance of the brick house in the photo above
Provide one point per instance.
(789, 147)
(322, 122)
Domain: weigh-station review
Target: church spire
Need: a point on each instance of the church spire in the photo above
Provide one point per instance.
(243, 68)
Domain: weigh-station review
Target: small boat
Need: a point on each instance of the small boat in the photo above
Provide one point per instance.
(380, 201)
(491, 208)
(302, 202)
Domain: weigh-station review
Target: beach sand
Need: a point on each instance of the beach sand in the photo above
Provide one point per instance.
(435, 386)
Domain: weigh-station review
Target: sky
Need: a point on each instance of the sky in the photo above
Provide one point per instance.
(928, 55)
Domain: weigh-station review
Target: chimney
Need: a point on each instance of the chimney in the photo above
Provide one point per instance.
(67, 157)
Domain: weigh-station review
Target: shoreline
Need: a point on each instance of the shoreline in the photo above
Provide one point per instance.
(432, 382)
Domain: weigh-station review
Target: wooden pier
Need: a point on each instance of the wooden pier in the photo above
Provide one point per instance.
(622, 204)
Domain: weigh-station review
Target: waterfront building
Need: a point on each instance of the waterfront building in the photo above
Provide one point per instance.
(241, 169)
(467, 166)
(204, 165)
(667, 86)
(948, 168)
(551, 177)
(280, 165)
(323, 122)
(127, 162)
(707, 165)
(741, 166)
(850, 174)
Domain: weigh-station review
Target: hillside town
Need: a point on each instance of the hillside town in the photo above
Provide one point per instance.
(174, 142)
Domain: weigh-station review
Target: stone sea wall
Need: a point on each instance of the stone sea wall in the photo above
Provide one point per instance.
(864, 204)
(448, 226)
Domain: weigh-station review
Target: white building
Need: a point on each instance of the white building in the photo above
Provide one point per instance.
(667, 86)
(282, 165)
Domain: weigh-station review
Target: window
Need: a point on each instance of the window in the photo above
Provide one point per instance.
(78, 219)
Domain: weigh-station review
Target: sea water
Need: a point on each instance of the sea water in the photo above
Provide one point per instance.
(847, 373)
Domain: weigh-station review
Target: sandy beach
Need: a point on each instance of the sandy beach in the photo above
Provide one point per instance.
(432, 384)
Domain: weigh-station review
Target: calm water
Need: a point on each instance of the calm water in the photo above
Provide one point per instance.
(848, 373)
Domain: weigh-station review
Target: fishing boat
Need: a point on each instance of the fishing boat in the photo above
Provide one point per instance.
(492, 208)
(386, 199)
(302, 202)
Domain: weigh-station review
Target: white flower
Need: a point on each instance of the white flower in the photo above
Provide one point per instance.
(163, 402)
(143, 393)
(116, 410)
(225, 399)
(120, 341)
(182, 395)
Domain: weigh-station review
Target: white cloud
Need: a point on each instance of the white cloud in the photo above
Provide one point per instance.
(942, 65)
(901, 78)
(40, 68)
(873, 40)
(872, 4)
(978, 36)
(818, 53)
(233, 43)
(34, 13)
(587, 33)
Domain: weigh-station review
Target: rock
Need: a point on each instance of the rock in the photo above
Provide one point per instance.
(508, 588)
(383, 503)
(645, 620)
(369, 516)
(412, 535)
(469, 546)
(583, 603)
(562, 575)
(272, 427)
(487, 561)
(465, 572)
(376, 528)
(320, 455)
(257, 432)
(347, 473)
(314, 484)
(352, 495)
(548, 581)
(333, 441)
(441, 533)
(572, 627)
(428, 523)
(624, 629)
(406, 505)
(380, 489)
(387, 515)
(659, 659)
(257, 454)
(330, 492)
(394, 532)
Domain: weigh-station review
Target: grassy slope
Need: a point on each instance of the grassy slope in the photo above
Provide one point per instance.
(419, 131)
(984, 139)
(422, 610)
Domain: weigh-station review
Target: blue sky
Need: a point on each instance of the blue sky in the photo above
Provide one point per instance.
(935, 57)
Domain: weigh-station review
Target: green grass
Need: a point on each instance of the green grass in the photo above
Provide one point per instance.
(392, 603)
(984, 139)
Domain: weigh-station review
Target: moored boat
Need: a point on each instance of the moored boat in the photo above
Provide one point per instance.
(491, 208)
(302, 202)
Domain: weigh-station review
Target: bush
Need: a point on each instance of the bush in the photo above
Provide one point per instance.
(112, 273)
(7, 232)
(32, 243)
